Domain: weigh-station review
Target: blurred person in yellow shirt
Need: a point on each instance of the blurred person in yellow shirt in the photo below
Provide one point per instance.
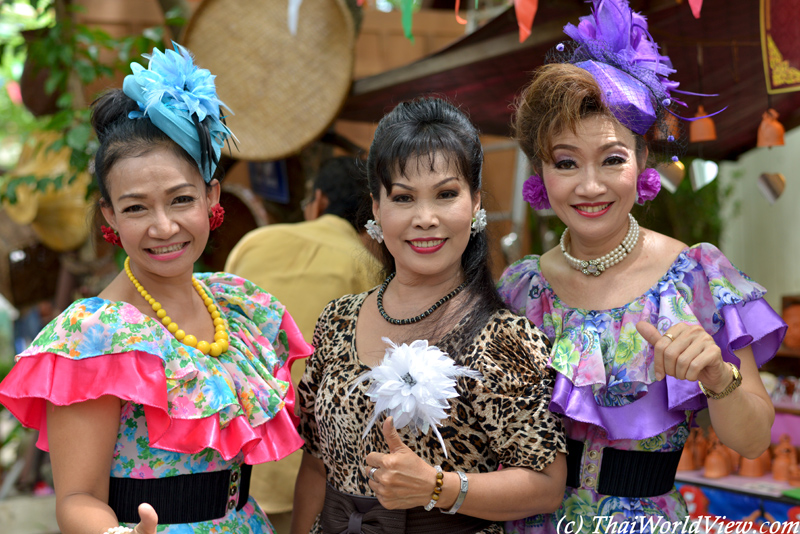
(306, 265)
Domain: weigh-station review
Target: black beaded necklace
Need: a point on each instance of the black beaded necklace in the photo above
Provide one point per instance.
(422, 315)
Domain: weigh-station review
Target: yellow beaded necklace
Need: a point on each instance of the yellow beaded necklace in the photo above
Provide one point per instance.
(221, 337)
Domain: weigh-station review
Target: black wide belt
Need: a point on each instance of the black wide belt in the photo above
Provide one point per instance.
(182, 498)
(356, 514)
(625, 473)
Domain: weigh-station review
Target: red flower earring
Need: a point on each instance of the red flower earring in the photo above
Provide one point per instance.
(216, 217)
(111, 235)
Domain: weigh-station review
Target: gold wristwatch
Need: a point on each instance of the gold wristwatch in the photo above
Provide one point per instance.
(737, 381)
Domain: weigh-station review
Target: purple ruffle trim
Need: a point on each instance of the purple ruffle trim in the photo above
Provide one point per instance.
(752, 323)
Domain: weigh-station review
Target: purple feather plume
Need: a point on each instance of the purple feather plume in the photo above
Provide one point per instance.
(622, 34)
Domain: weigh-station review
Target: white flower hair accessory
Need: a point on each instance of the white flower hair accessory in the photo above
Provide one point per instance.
(412, 384)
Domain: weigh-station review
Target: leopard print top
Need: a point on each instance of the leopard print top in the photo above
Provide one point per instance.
(501, 419)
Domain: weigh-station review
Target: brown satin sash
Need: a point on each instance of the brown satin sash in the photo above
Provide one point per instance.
(344, 513)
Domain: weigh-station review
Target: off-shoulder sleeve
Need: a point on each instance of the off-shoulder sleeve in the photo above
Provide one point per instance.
(233, 403)
(511, 401)
(309, 384)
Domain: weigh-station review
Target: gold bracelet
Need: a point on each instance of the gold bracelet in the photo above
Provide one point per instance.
(737, 381)
(437, 488)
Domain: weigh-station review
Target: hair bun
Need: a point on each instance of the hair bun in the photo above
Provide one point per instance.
(110, 108)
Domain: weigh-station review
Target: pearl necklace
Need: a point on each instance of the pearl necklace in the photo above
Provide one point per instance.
(597, 266)
(422, 315)
(220, 343)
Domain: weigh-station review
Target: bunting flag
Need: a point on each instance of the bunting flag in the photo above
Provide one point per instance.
(780, 45)
(526, 12)
(696, 6)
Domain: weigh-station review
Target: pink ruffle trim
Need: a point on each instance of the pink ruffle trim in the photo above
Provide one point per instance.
(139, 377)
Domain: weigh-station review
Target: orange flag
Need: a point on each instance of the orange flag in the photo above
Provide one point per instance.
(526, 11)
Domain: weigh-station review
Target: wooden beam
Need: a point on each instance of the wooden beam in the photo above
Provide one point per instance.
(483, 50)
(459, 57)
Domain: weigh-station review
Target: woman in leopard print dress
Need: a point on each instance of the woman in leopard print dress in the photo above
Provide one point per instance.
(424, 172)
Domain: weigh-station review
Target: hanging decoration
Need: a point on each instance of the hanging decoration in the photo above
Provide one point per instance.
(780, 45)
(526, 12)
(770, 131)
(703, 172)
(696, 6)
(771, 185)
(702, 128)
(294, 13)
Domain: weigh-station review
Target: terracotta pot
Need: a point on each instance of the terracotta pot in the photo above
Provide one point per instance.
(791, 316)
(687, 455)
(700, 447)
(717, 464)
(734, 456)
(33, 79)
(794, 475)
(718, 461)
(766, 460)
(751, 467)
(785, 459)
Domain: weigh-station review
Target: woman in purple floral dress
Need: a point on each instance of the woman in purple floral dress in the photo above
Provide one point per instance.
(645, 330)
(168, 386)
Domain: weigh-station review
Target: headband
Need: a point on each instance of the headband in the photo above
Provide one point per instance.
(181, 100)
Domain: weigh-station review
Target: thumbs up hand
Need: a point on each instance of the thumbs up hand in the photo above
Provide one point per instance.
(149, 520)
(400, 479)
(687, 352)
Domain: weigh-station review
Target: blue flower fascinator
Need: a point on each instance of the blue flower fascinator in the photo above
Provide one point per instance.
(614, 45)
(181, 100)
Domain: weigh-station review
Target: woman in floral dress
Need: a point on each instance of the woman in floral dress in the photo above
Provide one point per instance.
(646, 330)
(166, 387)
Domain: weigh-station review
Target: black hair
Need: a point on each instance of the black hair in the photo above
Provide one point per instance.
(419, 131)
(121, 137)
(341, 180)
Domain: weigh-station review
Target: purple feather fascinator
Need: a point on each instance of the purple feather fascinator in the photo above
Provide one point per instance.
(613, 44)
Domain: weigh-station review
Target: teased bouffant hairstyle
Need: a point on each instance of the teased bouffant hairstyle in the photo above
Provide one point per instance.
(417, 132)
(558, 97)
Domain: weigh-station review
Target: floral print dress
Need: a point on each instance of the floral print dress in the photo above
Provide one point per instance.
(182, 412)
(606, 389)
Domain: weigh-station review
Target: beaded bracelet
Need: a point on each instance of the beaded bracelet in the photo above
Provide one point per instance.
(118, 530)
(437, 488)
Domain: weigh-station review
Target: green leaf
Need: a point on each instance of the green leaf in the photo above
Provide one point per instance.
(78, 137)
(56, 80)
(56, 145)
(85, 71)
(64, 101)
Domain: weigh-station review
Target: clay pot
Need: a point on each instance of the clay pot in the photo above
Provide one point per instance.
(734, 456)
(785, 459)
(770, 131)
(700, 447)
(717, 464)
(687, 455)
(766, 460)
(751, 467)
(791, 315)
(33, 79)
(794, 476)
(718, 461)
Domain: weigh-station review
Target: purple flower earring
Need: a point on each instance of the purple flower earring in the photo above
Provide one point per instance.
(648, 184)
(535, 194)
